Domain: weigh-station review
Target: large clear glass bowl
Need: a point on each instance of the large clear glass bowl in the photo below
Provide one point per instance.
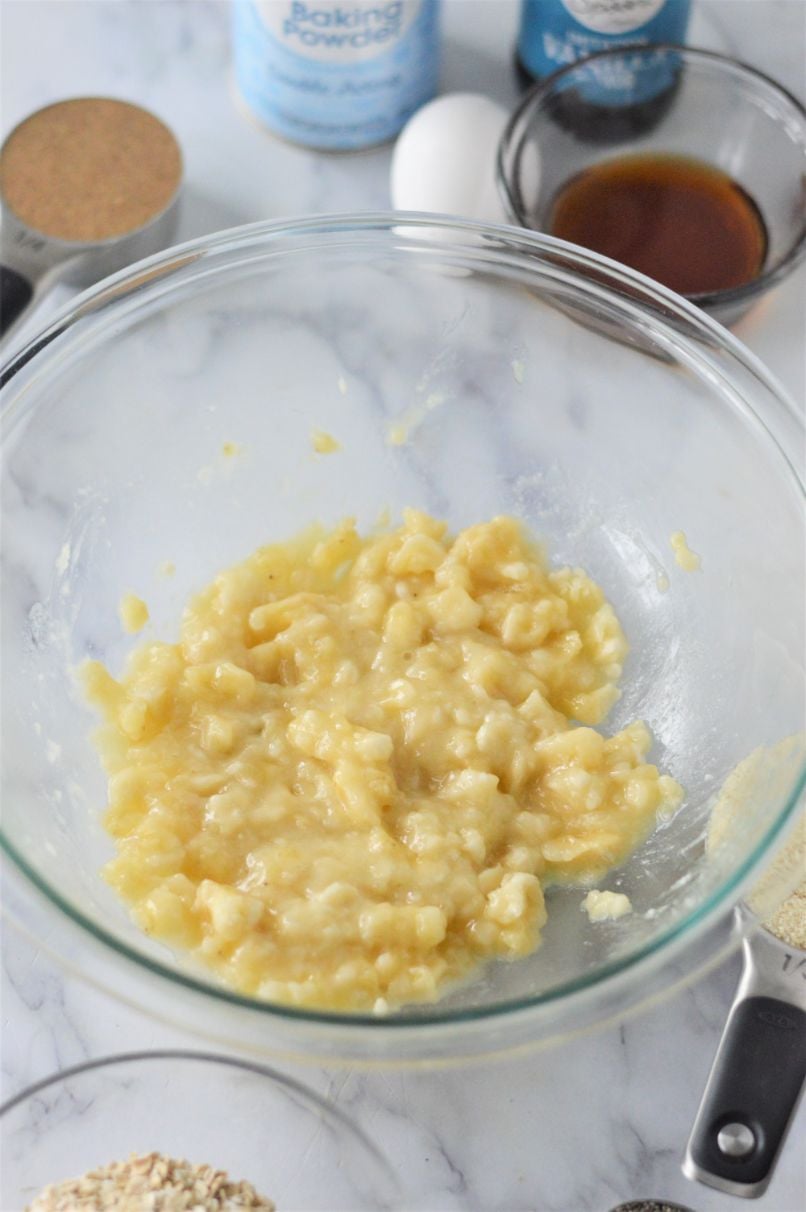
(261, 1127)
(534, 378)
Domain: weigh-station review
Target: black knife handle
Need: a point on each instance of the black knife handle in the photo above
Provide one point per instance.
(16, 292)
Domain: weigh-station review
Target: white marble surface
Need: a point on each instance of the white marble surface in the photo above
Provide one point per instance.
(576, 1129)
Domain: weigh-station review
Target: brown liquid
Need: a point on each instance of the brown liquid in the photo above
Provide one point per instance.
(678, 220)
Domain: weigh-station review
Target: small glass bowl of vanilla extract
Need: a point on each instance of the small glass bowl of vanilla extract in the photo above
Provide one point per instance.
(683, 164)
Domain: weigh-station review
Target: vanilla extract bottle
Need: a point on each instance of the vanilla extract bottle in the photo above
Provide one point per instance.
(618, 99)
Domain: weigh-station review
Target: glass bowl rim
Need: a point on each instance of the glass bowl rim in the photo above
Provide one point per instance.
(151, 274)
(311, 1099)
(183, 1054)
(743, 294)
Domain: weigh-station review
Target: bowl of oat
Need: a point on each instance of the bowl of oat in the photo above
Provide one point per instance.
(375, 649)
(172, 1130)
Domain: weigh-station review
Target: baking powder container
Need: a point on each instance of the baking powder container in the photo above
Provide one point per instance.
(334, 75)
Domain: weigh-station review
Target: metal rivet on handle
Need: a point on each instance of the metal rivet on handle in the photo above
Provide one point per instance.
(736, 1140)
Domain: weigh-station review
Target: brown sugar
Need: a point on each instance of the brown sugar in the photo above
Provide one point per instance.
(89, 169)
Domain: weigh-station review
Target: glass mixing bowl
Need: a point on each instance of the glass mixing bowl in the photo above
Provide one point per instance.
(261, 1127)
(534, 378)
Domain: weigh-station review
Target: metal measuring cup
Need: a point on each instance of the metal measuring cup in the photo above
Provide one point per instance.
(759, 1071)
(32, 259)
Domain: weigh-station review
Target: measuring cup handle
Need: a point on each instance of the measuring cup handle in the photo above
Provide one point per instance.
(16, 293)
(752, 1092)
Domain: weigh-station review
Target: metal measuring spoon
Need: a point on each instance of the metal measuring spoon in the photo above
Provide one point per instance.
(87, 186)
(758, 1073)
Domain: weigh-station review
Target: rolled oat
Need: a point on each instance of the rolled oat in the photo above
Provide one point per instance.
(151, 1183)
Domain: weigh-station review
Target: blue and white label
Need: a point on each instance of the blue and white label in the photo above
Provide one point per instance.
(613, 16)
(555, 33)
(334, 74)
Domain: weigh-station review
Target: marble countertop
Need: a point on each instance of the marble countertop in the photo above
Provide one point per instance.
(575, 1129)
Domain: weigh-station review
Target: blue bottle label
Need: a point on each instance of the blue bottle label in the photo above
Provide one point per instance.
(337, 74)
(555, 33)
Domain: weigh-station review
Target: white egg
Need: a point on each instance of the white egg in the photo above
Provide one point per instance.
(445, 159)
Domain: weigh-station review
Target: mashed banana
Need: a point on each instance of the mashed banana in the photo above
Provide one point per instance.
(349, 781)
(606, 906)
(133, 613)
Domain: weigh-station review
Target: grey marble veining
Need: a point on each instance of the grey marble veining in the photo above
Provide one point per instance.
(575, 1129)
